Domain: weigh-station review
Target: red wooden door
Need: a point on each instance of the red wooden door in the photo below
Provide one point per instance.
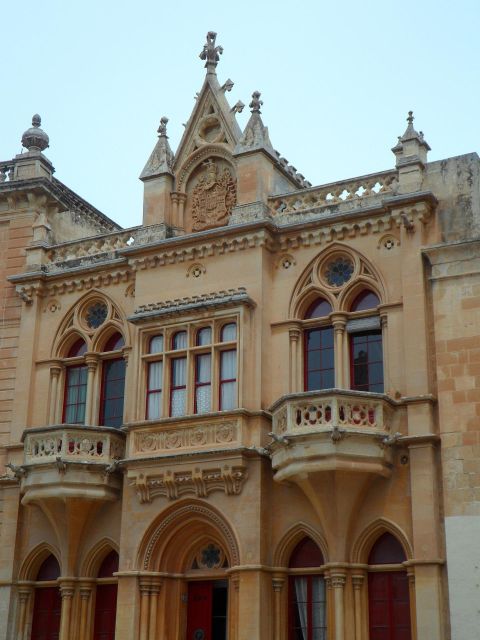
(105, 612)
(47, 610)
(199, 615)
(389, 606)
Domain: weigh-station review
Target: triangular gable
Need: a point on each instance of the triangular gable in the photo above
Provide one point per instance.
(211, 122)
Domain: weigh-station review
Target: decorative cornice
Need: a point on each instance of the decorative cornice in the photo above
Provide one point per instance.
(220, 299)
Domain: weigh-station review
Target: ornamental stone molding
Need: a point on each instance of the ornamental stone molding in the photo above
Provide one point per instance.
(199, 480)
(213, 197)
(174, 439)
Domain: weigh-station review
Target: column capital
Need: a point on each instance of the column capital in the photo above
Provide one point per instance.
(278, 582)
(339, 320)
(56, 368)
(67, 588)
(174, 196)
(294, 333)
(92, 359)
(338, 579)
(357, 580)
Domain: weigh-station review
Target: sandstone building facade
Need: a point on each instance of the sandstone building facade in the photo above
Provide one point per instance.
(256, 415)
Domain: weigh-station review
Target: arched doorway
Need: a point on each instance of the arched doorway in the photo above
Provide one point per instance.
(307, 601)
(388, 592)
(47, 605)
(207, 608)
(106, 599)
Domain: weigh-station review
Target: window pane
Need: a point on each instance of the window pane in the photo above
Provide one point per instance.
(203, 402)
(179, 340)
(179, 372)
(204, 336)
(319, 359)
(154, 405)
(178, 403)
(229, 332)
(155, 371)
(203, 368)
(156, 344)
(228, 365)
(327, 337)
(328, 379)
(111, 410)
(75, 395)
(313, 339)
(367, 365)
(228, 393)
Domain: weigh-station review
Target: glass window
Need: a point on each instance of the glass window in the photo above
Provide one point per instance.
(365, 300)
(114, 343)
(77, 349)
(228, 380)
(179, 340)
(318, 309)
(319, 359)
(366, 361)
(156, 344)
(113, 386)
(203, 383)
(75, 395)
(204, 336)
(178, 387)
(154, 390)
(229, 332)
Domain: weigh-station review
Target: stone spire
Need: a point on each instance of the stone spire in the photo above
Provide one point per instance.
(211, 53)
(255, 135)
(35, 139)
(161, 158)
(411, 147)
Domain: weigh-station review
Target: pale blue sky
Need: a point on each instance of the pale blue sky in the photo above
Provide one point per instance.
(337, 80)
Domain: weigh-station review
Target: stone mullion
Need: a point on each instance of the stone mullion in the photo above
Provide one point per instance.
(358, 581)
(386, 370)
(55, 371)
(24, 597)
(91, 360)
(340, 348)
(329, 606)
(278, 583)
(67, 591)
(295, 359)
(85, 606)
(182, 197)
(338, 581)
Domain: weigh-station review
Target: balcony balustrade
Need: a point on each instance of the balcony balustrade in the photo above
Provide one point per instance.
(71, 461)
(333, 430)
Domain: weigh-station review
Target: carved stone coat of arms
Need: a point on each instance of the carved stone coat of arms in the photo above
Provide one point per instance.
(213, 197)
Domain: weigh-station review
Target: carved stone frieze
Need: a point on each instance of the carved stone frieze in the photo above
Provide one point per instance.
(213, 197)
(199, 480)
(186, 437)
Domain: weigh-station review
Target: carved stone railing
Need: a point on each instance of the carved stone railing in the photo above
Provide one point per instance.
(73, 444)
(87, 250)
(6, 171)
(305, 413)
(351, 193)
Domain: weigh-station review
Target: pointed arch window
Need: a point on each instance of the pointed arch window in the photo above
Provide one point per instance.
(307, 610)
(47, 604)
(75, 395)
(366, 348)
(388, 591)
(106, 599)
(113, 383)
(319, 367)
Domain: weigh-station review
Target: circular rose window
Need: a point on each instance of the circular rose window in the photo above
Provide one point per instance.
(96, 314)
(339, 271)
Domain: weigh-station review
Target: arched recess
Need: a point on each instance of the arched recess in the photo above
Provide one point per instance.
(96, 555)
(68, 339)
(74, 323)
(196, 158)
(312, 282)
(34, 560)
(362, 283)
(365, 541)
(168, 543)
(292, 537)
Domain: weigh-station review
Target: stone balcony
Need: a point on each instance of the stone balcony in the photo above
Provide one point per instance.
(71, 461)
(333, 430)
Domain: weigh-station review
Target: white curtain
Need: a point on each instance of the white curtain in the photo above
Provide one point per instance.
(228, 371)
(179, 377)
(301, 602)
(319, 609)
(203, 377)
(229, 332)
(180, 340)
(155, 373)
(156, 344)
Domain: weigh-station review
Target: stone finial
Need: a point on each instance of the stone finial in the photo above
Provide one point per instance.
(162, 129)
(35, 139)
(211, 53)
(227, 85)
(238, 107)
(256, 103)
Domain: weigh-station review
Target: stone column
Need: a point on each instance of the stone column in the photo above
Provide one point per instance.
(386, 372)
(338, 586)
(233, 621)
(155, 587)
(339, 322)
(85, 594)
(55, 371)
(174, 197)
(92, 364)
(24, 594)
(413, 602)
(278, 582)
(294, 336)
(358, 580)
(182, 197)
(67, 589)
(329, 606)
(144, 608)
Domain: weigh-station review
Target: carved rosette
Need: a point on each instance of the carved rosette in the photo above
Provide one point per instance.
(213, 197)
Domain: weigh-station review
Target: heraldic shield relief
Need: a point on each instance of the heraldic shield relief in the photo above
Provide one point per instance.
(213, 197)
